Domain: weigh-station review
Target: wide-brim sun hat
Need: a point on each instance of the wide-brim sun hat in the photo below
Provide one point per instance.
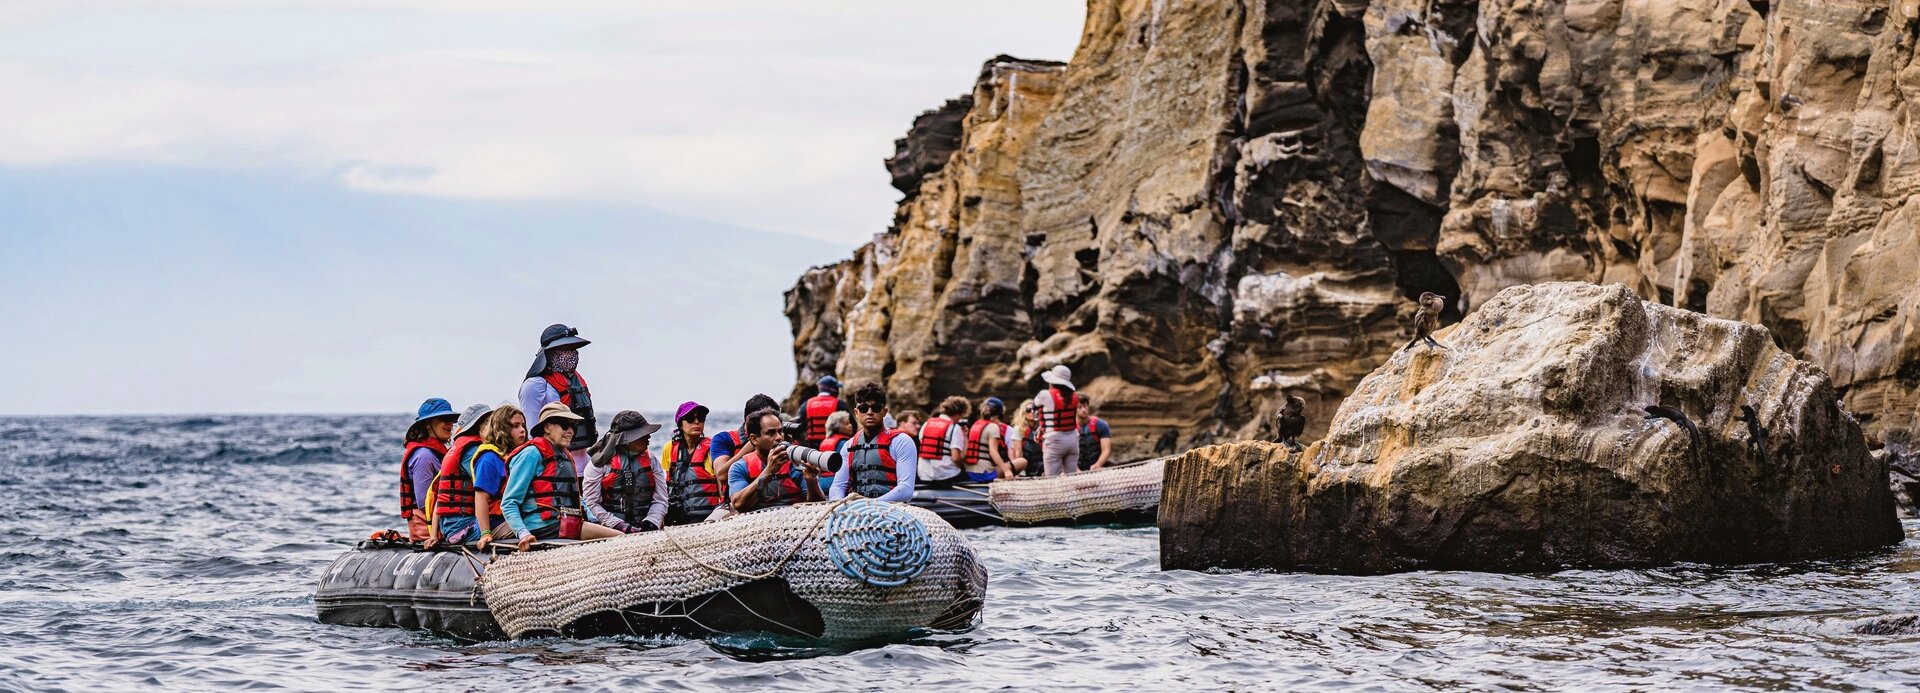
(689, 407)
(555, 410)
(629, 426)
(471, 419)
(1058, 375)
(556, 336)
(433, 408)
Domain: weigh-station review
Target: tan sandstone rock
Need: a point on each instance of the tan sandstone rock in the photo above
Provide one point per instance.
(1527, 445)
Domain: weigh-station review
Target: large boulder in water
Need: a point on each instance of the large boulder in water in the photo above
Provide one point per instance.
(1527, 445)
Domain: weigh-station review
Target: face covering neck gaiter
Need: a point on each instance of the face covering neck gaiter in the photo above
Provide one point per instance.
(563, 361)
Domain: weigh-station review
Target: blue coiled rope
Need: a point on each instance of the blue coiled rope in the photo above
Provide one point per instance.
(876, 543)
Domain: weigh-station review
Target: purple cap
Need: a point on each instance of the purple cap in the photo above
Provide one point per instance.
(687, 408)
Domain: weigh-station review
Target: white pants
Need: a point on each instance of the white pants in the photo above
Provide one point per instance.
(1060, 452)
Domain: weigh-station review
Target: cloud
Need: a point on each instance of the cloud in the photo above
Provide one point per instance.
(770, 115)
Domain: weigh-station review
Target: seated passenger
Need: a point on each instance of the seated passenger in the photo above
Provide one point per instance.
(839, 429)
(985, 458)
(1096, 439)
(909, 422)
(726, 445)
(693, 489)
(1023, 439)
(426, 443)
(541, 485)
(467, 494)
(942, 443)
(878, 462)
(762, 476)
(624, 488)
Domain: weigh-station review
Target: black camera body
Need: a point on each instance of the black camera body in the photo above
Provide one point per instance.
(794, 430)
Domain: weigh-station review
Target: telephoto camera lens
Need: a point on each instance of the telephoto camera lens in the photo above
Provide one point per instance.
(823, 459)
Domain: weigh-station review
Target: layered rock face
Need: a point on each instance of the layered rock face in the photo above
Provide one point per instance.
(1215, 204)
(1527, 444)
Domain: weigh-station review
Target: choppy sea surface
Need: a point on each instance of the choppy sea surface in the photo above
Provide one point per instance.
(181, 553)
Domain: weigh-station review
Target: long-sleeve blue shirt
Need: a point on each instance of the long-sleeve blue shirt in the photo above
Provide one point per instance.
(515, 502)
(906, 461)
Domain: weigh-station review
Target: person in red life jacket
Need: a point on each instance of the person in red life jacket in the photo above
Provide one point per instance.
(624, 488)
(1096, 438)
(555, 377)
(426, 443)
(693, 489)
(466, 506)
(985, 458)
(878, 462)
(727, 444)
(762, 476)
(541, 486)
(943, 441)
(839, 429)
(465, 438)
(815, 412)
(1059, 416)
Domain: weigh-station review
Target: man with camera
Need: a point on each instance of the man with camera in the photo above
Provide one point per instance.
(765, 475)
(880, 462)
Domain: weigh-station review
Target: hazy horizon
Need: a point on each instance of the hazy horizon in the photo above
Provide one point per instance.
(292, 206)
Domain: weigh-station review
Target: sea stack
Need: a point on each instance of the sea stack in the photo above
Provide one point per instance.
(1527, 446)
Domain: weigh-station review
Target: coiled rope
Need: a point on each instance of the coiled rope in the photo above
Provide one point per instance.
(876, 543)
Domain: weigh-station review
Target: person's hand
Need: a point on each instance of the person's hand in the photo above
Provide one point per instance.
(648, 526)
(809, 471)
(485, 539)
(774, 460)
(526, 542)
(431, 542)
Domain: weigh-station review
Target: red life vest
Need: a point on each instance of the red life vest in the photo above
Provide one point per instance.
(784, 491)
(816, 412)
(453, 488)
(1064, 416)
(627, 487)
(872, 464)
(933, 439)
(573, 392)
(554, 486)
(407, 505)
(692, 490)
(832, 442)
(977, 444)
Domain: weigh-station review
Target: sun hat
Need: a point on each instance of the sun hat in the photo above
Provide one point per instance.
(555, 410)
(689, 407)
(994, 402)
(433, 408)
(828, 382)
(629, 426)
(471, 418)
(1058, 375)
(556, 336)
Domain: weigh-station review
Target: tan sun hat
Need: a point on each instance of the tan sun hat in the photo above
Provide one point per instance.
(555, 410)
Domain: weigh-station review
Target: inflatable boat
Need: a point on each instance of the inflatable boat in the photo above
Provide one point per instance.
(1120, 495)
(848, 570)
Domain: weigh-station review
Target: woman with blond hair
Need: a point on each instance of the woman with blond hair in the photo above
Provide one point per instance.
(467, 493)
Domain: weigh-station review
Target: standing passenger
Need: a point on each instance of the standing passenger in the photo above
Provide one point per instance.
(880, 462)
(1096, 439)
(1059, 417)
(554, 378)
(624, 487)
(819, 409)
(426, 443)
(942, 443)
(541, 485)
(693, 487)
(985, 459)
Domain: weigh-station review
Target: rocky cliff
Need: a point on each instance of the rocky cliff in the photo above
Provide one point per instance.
(1563, 424)
(1218, 203)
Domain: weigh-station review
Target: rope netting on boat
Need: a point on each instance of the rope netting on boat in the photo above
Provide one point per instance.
(870, 568)
(1110, 490)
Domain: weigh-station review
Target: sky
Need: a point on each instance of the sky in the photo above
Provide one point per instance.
(214, 206)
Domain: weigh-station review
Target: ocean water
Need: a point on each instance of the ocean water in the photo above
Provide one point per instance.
(148, 553)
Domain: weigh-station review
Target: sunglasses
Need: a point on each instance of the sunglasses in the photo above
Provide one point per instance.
(695, 419)
(868, 408)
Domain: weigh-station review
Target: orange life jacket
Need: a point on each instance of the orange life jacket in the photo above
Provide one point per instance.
(554, 486)
(784, 491)
(453, 488)
(816, 412)
(933, 438)
(1064, 416)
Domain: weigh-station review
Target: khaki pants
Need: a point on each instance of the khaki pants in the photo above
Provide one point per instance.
(1060, 452)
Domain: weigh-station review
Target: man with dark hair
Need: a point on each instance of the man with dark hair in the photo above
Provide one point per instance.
(880, 462)
(725, 445)
(763, 476)
(1096, 438)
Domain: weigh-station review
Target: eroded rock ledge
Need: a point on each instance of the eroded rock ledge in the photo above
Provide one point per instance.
(1527, 445)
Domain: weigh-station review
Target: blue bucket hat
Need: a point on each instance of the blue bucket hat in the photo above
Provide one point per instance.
(433, 408)
(828, 382)
(556, 336)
